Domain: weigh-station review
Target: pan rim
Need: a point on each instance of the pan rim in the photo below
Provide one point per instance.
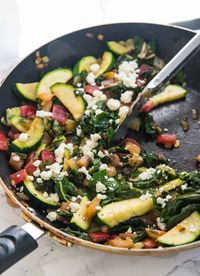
(65, 236)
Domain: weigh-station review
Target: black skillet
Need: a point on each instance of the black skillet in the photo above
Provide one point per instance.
(64, 52)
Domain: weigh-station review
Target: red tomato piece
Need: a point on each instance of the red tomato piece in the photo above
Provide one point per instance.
(99, 236)
(150, 243)
(166, 139)
(148, 106)
(3, 141)
(18, 177)
(59, 114)
(48, 156)
(28, 111)
(89, 89)
(30, 168)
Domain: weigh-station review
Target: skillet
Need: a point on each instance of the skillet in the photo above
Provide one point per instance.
(63, 52)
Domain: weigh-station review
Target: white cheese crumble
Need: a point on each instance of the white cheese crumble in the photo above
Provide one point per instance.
(98, 208)
(23, 137)
(74, 206)
(39, 180)
(36, 173)
(113, 104)
(90, 145)
(102, 154)
(91, 78)
(103, 167)
(79, 84)
(123, 111)
(147, 174)
(46, 175)
(54, 197)
(30, 177)
(92, 100)
(94, 68)
(127, 73)
(184, 187)
(78, 131)
(129, 230)
(98, 111)
(85, 172)
(43, 114)
(59, 152)
(37, 163)
(100, 187)
(160, 224)
(55, 168)
(126, 97)
(16, 158)
(70, 147)
(145, 196)
(73, 198)
(45, 194)
(94, 107)
(163, 201)
(52, 216)
(100, 196)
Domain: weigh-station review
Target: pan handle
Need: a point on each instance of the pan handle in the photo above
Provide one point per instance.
(15, 244)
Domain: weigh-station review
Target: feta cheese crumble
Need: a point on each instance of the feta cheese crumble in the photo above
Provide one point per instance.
(123, 111)
(193, 228)
(145, 196)
(160, 224)
(85, 172)
(74, 206)
(37, 163)
(103, 167)
(90, 145)
(184, 187)
(46, 175)
(52, 216)
(36, 173)
(92, 100)
(23, 137)
(78, 131)
(126, 97)
(100, 196)
(147, 174)
(91, 78)
(100, 187)
(94, 68)
(127, 73)
(43, 114)
(113, 104)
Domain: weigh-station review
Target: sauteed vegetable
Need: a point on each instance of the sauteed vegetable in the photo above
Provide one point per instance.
(60, 145)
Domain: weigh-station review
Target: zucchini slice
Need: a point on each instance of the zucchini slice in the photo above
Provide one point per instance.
(26, 91)
(84, 65)
(107, 62)
(184, 232)
(121, 47)
(114, 213)
(58, 75)
(35, 135)
(65, 93)
(38, 197)
(79, 216)
(20, 123)
(10, 112)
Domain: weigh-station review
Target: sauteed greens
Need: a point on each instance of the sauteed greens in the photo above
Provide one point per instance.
(60, 143)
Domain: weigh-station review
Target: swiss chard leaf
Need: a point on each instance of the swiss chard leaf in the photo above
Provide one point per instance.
(149, 125)
(76, 233)
(65, 188)
(136, 224)
(153, 159)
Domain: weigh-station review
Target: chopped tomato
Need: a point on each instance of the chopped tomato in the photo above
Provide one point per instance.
(28, 111)
(13, 133)
(166, 139)
(150, 243)
(31, 157)
(18, 177)
(89, 89)
(3, 141)
(48, 156)
(99, 237)
(59, 114)
(30, 168)
(148, 106)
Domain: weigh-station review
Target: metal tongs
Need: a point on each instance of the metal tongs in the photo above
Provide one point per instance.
(170, 69)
